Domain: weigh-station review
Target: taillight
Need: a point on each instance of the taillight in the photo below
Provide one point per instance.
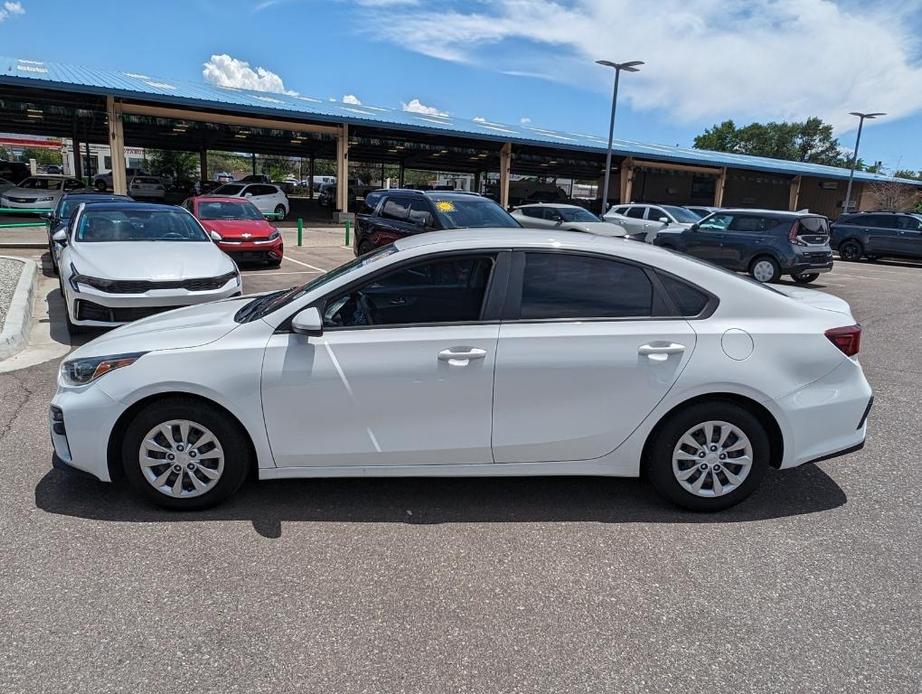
(847, 339)
(792, 235)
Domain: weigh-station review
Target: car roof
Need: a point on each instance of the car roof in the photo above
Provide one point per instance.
(783, 214)
(438, 193)
(138, 206)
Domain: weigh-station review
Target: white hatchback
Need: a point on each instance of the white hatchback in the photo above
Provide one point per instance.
(483, 352)
(266, 197)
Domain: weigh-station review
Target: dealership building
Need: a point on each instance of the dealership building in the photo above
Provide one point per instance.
(126, 111)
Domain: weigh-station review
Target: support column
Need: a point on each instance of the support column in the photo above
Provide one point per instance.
(310, 178)
(342, 170)
(476, 182)
(253, 162)
(719, 188)
(794, 194)
(505, 164)
(626, 179)
(203, 164)
(116, 146)
(400, 175)
(78, 163)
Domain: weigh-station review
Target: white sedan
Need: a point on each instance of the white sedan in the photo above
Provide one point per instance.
(565, 218)
(266, 197)
(474, 353)
(39, 192)
(120, 261)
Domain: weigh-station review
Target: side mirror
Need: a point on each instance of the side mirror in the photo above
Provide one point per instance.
(215, 236)
(308, 322)
(248, 195)
(694, 227)
(664, 220)
(60, 237)
(425, 220)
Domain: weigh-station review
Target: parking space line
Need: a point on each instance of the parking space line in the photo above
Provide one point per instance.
(312, 267)
(274, 274)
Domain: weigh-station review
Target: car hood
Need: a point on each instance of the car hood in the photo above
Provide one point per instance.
(816, 299)
(151, 260)
(180, 328)
(236, 228)
(31, 193)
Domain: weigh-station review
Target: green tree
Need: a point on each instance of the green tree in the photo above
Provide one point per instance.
(42, 156)
(906, 173)
(182, 167)
(4, 153)
(809, 141)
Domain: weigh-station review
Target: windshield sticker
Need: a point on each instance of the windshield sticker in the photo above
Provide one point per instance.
(445, 206)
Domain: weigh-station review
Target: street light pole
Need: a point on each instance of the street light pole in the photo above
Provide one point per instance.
(851, 174)
(630, 66)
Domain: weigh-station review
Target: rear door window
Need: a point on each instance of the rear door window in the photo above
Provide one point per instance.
(753, 224)
(907, 223)
(654, 214)
(635, 212)
(567, 286)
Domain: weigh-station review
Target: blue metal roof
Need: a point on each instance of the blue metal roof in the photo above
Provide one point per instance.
(136, 85)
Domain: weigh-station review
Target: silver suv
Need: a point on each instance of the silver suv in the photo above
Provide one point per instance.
(638, 218)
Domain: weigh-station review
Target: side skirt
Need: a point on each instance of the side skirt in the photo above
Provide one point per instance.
(594, 468)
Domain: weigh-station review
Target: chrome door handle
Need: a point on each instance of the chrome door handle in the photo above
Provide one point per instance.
(461, 356)
(661, 351)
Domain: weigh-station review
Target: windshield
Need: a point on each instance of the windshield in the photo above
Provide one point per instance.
(229, 189)
(681, 214)
(138, 225)
(228, 210)
(577, 214)
(266, 304)
(43, 183)
(471, 213)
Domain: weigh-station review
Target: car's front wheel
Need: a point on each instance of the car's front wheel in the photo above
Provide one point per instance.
(183, 454)
(280, 212)
(709, 456)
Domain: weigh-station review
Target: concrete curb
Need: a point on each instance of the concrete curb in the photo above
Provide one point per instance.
(18, 323)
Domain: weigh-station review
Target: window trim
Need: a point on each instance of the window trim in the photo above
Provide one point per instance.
(512, 308)
(490, 310)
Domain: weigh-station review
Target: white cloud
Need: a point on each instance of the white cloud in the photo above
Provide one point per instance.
(225, 71)
(705, 59)
(524, 121)
(11, 9)
(351, 99)
(416, 106)
(480, 119)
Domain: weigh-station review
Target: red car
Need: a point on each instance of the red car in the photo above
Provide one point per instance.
(239, 229)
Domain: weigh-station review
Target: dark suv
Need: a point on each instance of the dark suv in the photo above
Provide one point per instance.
(874, 234)
(393, 214)
(764, 243)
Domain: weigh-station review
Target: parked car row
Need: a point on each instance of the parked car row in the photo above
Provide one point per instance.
(119, 260)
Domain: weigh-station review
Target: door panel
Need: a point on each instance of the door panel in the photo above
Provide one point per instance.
(576, 390)
(381, 396)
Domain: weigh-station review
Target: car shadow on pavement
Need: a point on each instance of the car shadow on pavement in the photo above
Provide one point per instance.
(436, 500)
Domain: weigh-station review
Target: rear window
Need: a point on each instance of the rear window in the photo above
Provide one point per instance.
(813, 225)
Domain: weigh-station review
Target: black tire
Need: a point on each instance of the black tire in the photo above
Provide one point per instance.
(365, 247)
(280, 211)
(872, 258)
(54, 263)
(757, 269)
(659, 464)
(805, 278)
(274, 263)
(233, 441)
(850, 250)
(100, 185)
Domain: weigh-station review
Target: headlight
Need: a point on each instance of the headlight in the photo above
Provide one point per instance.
(273, 236)
(95, 282)
(78, 372)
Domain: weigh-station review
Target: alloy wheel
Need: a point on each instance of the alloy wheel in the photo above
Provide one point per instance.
(181, 458)
(712, 459)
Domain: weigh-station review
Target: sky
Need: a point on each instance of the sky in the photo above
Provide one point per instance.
(525, 61)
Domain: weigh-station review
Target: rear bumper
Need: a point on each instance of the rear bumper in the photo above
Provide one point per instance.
(828, 417)
(802, 266)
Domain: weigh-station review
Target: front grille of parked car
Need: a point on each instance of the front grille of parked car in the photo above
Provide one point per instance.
(199, 284)
(88, 310)
(12, 199)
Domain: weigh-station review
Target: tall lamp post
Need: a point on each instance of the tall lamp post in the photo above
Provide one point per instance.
(630, 66)
(851, 174)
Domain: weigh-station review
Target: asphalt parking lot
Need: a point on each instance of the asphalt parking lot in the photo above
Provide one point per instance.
(569, 584)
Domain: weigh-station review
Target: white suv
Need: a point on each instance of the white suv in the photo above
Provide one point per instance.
(266, 197)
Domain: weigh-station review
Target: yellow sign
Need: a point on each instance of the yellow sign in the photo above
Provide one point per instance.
(445, 206)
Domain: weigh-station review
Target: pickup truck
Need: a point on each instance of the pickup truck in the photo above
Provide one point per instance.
(397, 213)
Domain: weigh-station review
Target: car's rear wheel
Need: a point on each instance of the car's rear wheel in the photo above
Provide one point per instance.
(54, 262)
(806, 277)
(100, 185)
(709, 456)
(281, 212)
(183, 454)
(765, 269)
(850, 250)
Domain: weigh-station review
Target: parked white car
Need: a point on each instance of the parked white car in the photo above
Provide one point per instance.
(474, 353)
(121, 261)
(647, 220)
(39, 192)
(147, 187)
(566, 218)
(266, 197)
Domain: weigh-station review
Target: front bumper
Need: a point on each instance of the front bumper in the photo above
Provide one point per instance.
(828, 417)
(95, 308)
(243, 251)
(81, 442)
(30, 205)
